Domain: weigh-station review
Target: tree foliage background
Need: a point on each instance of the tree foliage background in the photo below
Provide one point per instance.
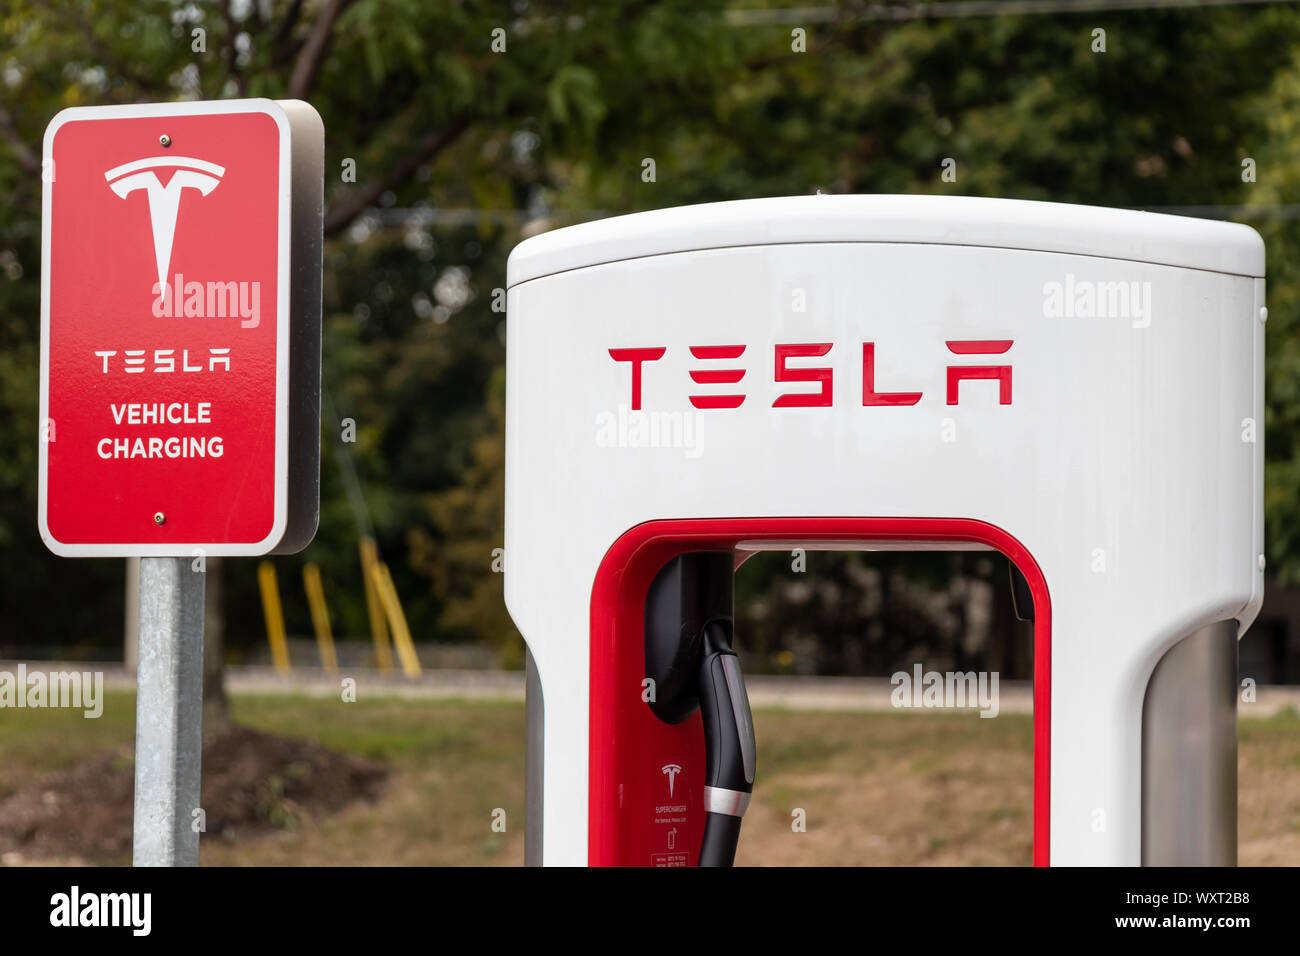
(460, 149)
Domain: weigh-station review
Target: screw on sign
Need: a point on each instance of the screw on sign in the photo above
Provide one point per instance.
(180, 380)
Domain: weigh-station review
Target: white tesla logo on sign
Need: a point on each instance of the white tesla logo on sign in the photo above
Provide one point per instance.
(164, 201)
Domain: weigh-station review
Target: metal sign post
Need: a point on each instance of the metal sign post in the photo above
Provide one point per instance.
(180, 382)
(168, 713)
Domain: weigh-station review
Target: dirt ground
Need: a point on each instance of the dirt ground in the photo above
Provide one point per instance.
(254, 783)
(441, 782)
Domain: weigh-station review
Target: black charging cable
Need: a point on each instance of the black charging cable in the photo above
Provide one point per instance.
(729, 749)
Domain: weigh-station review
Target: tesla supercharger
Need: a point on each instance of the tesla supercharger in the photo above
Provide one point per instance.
(1078, 388)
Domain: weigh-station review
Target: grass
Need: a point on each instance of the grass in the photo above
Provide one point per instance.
(454, 765)
(33, 742)
(873, 788)
(890, 789)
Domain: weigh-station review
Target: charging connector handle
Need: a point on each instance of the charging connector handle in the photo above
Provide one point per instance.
(729, 756)
(689, 663)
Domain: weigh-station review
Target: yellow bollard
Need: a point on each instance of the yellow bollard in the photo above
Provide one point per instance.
(396, 621)
(274, 616)
(378, 627)
(320, 617)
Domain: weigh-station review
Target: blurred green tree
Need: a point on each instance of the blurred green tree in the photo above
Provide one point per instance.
(442, 147)
(444, 122)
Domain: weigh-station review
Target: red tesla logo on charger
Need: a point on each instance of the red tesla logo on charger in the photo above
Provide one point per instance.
(718, 367)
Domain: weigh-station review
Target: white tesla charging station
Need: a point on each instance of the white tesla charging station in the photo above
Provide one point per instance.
(1079, 388)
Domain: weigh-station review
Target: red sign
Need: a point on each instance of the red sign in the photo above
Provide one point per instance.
(165, 329)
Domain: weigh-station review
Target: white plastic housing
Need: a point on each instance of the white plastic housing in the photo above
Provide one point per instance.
(1128, 461)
